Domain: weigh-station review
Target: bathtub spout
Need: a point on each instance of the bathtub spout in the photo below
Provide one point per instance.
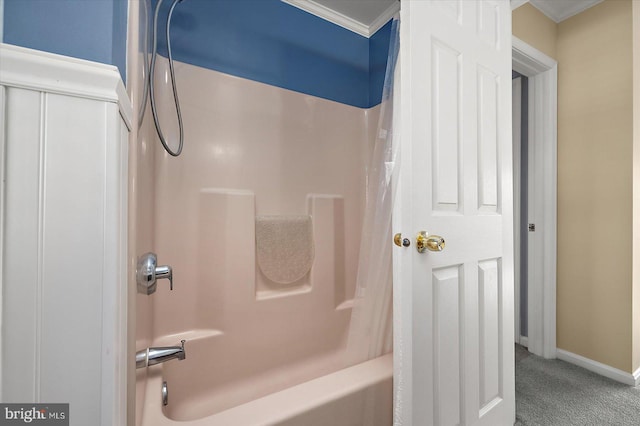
(153, 356)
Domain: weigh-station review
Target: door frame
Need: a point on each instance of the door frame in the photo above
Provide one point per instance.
(542, 72)
(516, 130)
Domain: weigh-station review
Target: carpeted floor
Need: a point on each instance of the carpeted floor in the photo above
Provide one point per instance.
(555, 393)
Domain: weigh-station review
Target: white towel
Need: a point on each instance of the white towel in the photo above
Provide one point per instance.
(284, 247)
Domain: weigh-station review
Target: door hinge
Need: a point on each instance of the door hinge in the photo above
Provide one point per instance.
(532, 227)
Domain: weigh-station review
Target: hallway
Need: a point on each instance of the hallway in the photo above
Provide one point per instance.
(555, 393)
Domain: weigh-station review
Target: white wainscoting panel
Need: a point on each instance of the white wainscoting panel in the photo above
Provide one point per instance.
(64, 204)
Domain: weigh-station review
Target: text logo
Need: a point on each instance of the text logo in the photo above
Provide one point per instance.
(34, 414)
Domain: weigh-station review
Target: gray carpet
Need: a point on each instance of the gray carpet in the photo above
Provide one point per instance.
(555, 393)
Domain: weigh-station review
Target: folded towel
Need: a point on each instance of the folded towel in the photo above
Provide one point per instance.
(284, 246)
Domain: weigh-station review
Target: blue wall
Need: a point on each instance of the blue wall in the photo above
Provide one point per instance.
(89, 29)
(277, 44)
(378, 52)
(263, 40)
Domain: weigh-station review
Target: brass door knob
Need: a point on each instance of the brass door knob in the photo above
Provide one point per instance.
(425, 241)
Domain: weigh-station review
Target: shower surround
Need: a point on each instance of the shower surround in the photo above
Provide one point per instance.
(253, 149)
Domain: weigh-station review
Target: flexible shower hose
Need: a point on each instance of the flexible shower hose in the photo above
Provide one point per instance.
(145, 65)
(173, 80)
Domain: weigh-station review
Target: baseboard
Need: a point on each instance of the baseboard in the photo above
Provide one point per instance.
(631, 379)
(524, 341)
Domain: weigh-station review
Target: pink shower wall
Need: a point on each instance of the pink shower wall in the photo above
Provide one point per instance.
(253, 149)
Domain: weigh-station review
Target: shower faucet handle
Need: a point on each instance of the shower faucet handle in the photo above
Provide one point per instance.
(165, 272)
(148, 272)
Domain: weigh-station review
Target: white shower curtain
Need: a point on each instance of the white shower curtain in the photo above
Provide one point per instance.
(370, 331)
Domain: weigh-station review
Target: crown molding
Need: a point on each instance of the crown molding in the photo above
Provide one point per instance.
(517, 3)
(344, 21)
(385, 17)
(550, 9)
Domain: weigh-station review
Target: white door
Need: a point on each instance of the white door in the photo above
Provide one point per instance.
(454, 334)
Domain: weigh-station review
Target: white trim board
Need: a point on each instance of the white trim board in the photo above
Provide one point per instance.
(631, 379)
(43, 71)
(2, 222)
(345, 21)
(542, 72)
(528, 60)
(516, 108)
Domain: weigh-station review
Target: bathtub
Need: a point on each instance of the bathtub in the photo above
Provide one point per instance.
(358, 395)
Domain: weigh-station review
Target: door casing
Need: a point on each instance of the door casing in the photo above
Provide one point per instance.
(542, 72)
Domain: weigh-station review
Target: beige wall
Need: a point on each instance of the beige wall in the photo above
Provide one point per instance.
(534, 28)
(636, 186)
(594, 295)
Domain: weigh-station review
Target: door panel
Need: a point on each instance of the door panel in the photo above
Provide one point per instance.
(487, 140)
(446, 291)
(445, 78)
(489, 22)
(455, 181)
(490, 292)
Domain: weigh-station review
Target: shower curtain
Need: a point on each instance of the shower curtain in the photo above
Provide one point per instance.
(370, 330)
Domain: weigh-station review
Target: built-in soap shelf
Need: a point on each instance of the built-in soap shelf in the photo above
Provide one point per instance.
(347, 304)
(227, 243)
(326, 213)
(285, 292)
(189, 336)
